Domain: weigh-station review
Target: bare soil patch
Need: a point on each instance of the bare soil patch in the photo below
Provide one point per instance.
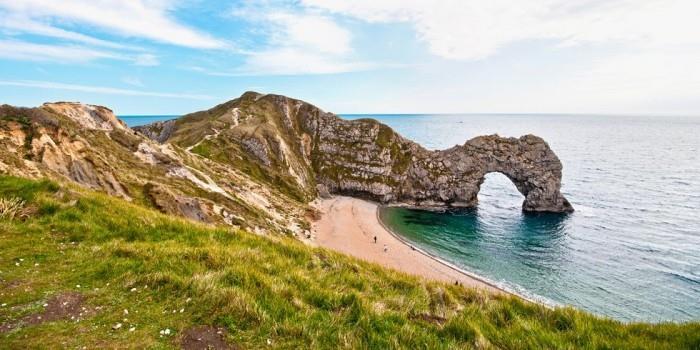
(206, 338)
(63, 306)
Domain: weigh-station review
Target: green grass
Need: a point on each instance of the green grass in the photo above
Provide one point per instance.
(258, 288)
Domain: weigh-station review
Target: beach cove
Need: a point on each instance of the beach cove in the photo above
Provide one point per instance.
(349, 225)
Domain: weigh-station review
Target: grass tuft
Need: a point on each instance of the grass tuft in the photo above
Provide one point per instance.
(11, 208)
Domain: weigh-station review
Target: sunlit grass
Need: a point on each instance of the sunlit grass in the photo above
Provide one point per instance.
(171, 273)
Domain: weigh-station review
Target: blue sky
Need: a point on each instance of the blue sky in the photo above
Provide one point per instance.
(361, 56)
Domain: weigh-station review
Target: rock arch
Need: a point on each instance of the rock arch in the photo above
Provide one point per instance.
(527, 161)
(366, 158)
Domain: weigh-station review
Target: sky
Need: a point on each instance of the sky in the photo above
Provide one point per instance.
(359, 56)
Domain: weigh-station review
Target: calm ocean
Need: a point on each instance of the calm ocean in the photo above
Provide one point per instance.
(631, 251)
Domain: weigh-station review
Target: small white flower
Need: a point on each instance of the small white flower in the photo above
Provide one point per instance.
(133, 289)
(132, 329)
(182, 310)
(126, 312)
(117, 326)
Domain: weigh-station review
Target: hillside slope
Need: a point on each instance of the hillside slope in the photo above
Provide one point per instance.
(88, 145)
(83, 269)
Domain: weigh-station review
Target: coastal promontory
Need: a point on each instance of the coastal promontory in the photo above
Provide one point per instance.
(311, 151)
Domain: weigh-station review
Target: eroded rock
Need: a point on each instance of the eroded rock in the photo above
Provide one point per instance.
(170, 203)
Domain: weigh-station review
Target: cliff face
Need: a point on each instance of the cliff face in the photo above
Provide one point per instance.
(90, 146)
(294, 145)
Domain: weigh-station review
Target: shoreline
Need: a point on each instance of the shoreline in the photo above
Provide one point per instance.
(447, 264)
(349, 225)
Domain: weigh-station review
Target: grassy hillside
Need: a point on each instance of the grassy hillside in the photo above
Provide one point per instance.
(131, 277)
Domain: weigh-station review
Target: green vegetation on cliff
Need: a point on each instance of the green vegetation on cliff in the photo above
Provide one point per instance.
(136, 278)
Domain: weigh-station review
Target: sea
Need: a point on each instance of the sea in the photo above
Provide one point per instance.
(630, 251)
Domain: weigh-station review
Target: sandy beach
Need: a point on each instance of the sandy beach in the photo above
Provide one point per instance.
(349, 225)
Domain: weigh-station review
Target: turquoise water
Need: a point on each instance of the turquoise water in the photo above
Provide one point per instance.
(136, 120)
(631, 250)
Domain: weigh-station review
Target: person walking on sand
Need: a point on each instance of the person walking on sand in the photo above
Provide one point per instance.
(375, 239)
(386, 249)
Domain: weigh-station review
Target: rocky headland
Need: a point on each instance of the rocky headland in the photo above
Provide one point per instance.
(318, 152)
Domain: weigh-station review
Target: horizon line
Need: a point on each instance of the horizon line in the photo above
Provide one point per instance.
(602, 114)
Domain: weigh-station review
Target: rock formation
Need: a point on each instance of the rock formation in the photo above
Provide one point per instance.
(297, 146)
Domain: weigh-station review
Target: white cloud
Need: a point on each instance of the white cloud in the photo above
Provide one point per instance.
(21, 50)
(26, 25)
(139, 18)
(99, 89)
(135, 81)
(471, 29)
(640, 82)
(297, 42)
(309, 32)
(293, 61)
(147, 60)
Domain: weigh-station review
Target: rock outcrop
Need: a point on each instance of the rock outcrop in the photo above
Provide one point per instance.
(88, 116)
(297, 146)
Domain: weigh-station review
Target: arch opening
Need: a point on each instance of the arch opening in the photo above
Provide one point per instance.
(499, 191)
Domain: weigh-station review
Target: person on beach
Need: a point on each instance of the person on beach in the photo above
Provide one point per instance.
(375, 239)
(386, 249)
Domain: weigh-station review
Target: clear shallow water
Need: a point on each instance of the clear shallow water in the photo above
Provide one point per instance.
(631, 250)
